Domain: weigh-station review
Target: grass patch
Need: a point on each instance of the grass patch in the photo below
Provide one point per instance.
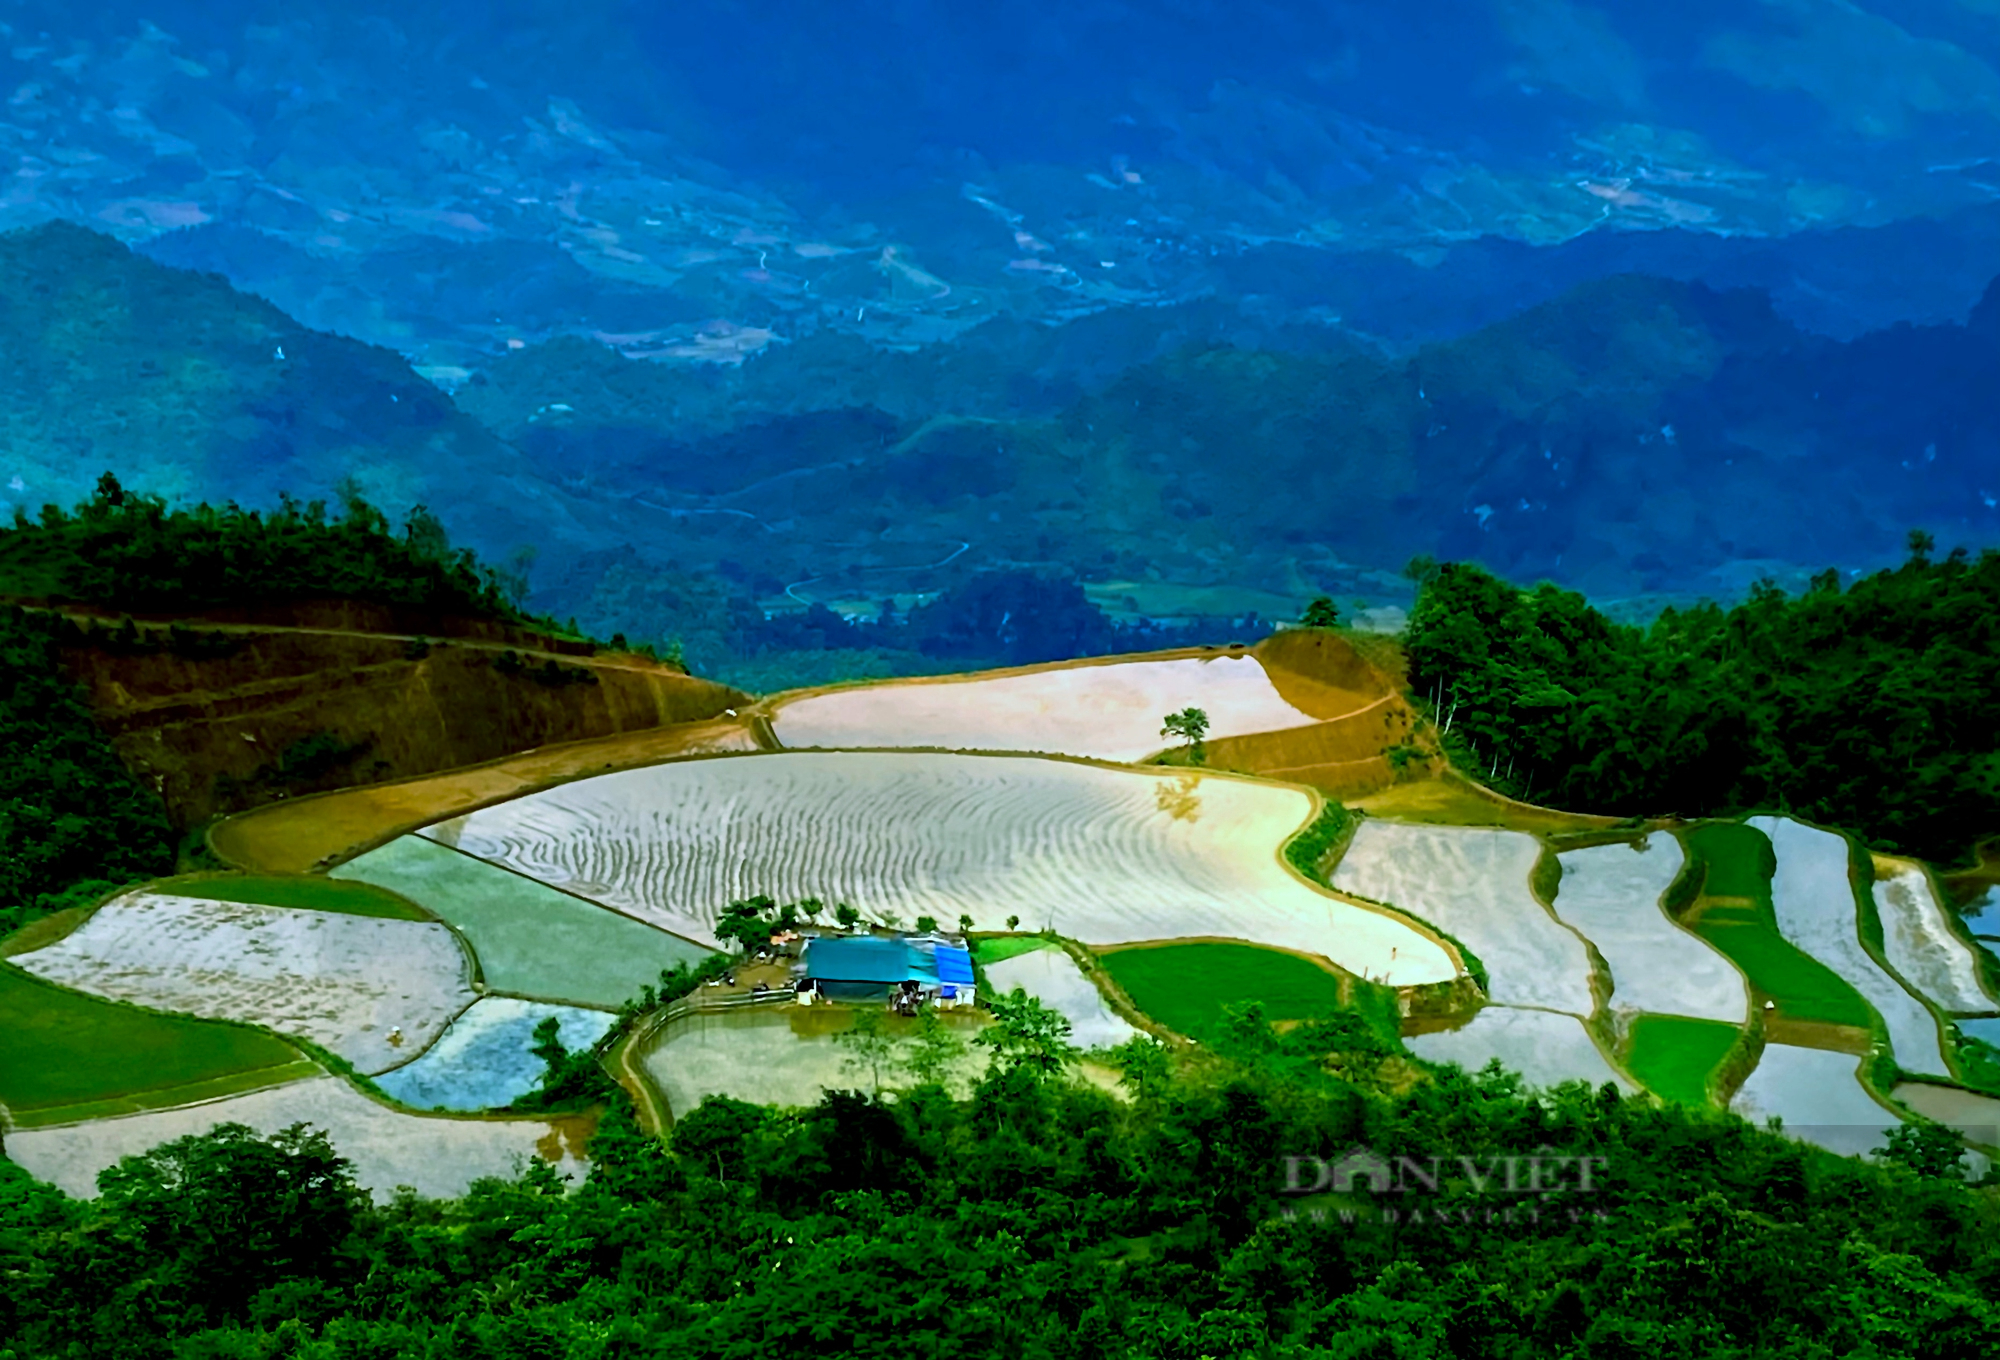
(1674, 1056)
(308, 891)
(1733, 912)
(44, 931)
(1003, 947)
(1451, 799)
(1307, 850)
(61, 1049)
(1185, 986)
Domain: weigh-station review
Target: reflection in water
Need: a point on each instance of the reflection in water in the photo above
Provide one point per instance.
(1178, 799)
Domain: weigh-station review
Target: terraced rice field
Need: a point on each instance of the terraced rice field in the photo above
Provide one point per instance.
(1052, 977)
(1547, 1049)
(296, 835)
(373, 991)
(1818, 1096)
(437, 1157)
(1186, 986)
(1975, 1116)
(1472, 883)
(1674, 1057)
(531, 940)
(991, 951)
(313, 892)
(1099, 855)
(1734, 914)
(483, 1062)
(1107, 711)
(1813, 897)
(1611, 893)
(67, 1056)
(1920, 944)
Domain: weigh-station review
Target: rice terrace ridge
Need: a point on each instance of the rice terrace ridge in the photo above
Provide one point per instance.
(1299, 682)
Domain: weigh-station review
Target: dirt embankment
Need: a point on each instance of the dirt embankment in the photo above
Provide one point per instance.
(247, 713)
(1362, 713)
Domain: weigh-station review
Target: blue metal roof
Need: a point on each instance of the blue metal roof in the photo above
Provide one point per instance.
(865, 959)
(954, 965)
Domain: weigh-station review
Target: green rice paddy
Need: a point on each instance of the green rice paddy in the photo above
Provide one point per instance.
(1674, 1056)
(530, 939)
(65, 1056)
(1738, 862)
(312, 892)
(1186, 986)
(1006, 947)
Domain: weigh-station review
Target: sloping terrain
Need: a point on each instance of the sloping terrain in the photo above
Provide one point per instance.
(248, 712)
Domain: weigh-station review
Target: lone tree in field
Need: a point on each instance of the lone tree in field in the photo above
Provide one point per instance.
(1191, 726)
(1321, 613)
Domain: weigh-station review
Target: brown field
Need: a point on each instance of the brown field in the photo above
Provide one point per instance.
(1452, 799)
(308, 833)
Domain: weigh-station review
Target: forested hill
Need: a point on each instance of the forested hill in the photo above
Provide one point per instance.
(1868, 704)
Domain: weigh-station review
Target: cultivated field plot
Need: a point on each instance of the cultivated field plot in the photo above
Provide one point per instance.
(1545, 1048)
(1975, 1116)
(1052, 977)
(483, 1061)
(298, 834)
(373, 991)
(1674, 1056)
(65, 1056)
(437, 1157)
(314, 892)
(1107, 711)
(1000, 947)
(1101, 856)
(1185, 986)
(530, 939)
(1611, 893)
(1813, 897)
(1734, 914)
(1819, 1098)
(1473, 884)
(1919, 942)
(783, 1056)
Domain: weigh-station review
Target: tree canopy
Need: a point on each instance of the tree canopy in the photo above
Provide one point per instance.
(1867, 705)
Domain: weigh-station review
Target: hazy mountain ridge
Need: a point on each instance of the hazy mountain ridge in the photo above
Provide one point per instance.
(670, 183)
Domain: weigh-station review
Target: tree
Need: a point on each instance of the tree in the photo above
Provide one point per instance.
(1026, 1037)
(935, 1051)
(1927, 1148)
(1013, 923)
(1922, 545)
(927, 925)
(1321, 613)
(1144, 1065)
(868, 1044)
(847, 916)
(1191, 726)
(964, 925)
(746, 923)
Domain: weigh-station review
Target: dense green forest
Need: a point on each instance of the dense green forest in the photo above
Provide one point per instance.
(121, 550)
(73, 819)
(1044, 1218)
(1868, 707)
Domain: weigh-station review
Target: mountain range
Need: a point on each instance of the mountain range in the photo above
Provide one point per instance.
(1634, 436)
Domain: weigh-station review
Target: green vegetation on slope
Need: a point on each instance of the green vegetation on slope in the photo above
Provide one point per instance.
(1041, 1219)
(1673, 1056)
(66, 1055)
(124, 551)
(1742, 923)
(74, 822)
(1187, 986)
(1868, 708)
